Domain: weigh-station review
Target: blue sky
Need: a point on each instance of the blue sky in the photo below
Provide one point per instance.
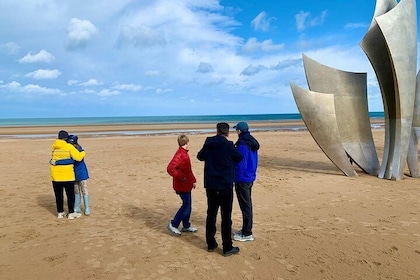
(64, 58)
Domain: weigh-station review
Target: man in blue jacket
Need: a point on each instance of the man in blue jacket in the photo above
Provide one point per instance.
(219, 156)
(245, 175)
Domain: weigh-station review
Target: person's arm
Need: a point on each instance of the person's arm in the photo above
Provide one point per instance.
(66, 161)
(75, 154)
(173, 168)
(240, 167)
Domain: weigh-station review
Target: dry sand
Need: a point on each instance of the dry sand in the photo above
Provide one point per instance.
(310, 221)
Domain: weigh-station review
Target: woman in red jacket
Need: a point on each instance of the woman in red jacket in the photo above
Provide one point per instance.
(183, 182)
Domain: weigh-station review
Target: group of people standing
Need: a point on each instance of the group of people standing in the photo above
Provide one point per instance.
(69, 173)
(226, 165)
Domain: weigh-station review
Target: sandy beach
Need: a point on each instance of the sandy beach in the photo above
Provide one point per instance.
(310, 221)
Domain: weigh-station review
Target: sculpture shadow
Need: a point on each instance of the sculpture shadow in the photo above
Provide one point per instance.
(282, 163)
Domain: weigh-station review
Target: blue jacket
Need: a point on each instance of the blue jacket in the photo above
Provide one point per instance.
(246, 169)
(80, 168)
(219, 156)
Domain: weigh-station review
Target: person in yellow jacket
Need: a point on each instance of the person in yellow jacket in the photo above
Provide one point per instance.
(62, 176)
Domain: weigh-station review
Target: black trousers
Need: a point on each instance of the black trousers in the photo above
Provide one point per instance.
(224, 200)
(59, 199)
(243, 193)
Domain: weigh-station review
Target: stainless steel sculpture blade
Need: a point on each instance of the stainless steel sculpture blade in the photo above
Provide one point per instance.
(413, 147)
(351, 107)
(319, 114)
(391, 46)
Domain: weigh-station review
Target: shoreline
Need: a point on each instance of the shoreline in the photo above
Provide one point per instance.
(99, 130)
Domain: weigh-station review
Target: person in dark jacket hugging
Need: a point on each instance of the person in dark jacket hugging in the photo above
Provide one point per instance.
(219, 156)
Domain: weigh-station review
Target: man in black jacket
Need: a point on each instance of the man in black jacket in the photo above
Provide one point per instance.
(219, 156)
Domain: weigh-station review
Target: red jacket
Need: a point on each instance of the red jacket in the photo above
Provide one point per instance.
(180, 170)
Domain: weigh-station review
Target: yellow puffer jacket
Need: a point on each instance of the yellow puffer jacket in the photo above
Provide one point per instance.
(63, 150)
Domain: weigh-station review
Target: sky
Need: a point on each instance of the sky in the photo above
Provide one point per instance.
(97, 58)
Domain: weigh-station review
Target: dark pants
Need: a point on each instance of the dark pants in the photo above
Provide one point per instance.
(59, 199)
(243, 193)
(184, 213)
(224, 200)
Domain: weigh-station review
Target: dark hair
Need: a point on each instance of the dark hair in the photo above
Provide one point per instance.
(222, 129)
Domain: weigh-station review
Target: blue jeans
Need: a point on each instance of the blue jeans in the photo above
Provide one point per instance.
(184, 213)
(243, 192)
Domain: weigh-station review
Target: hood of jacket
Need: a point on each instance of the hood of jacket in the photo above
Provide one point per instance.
(249, 140)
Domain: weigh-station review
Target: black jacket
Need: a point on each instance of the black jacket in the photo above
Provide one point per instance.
(219, 156)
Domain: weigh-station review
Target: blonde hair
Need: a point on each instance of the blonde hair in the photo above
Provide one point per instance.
(182, 140)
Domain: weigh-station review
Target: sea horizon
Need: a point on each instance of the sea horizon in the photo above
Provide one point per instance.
(126, 122)
(120, 120)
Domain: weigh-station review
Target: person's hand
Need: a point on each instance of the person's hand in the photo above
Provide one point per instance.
(194, 185)
(52, 162)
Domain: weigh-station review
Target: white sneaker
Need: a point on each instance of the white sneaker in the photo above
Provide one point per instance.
(239, 232)
(190, 229)
(243, 238)
(74, 215)
(173, 229)
(60, 215)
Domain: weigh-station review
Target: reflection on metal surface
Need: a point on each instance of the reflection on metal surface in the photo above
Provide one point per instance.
(351, 107)
(391, 47)
(318, 113)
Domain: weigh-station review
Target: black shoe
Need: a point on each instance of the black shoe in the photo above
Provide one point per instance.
(211, 249)
(232, 251)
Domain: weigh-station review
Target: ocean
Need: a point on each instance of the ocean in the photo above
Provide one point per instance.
(13, 122)
(231, 119)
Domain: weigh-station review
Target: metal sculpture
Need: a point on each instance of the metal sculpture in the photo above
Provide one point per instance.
(335, 97)
(391, 46)
(413, 147)
(318, 113)
(351, 107)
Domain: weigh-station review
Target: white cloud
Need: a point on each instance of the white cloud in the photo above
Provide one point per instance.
(252, 45)
(30, 88)
(163, 90)
(72, 82)
(304, 19)
(204, 67)
(128, 87)
(355, 25)
(42, 56)
(252, 70)
(44, 74)
(142, 36)
(261, 22)
(79, 33)
(90, 82)
(9, 48)
(107, 92)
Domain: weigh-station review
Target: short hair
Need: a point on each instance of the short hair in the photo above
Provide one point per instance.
(222, 129)
(182, 140)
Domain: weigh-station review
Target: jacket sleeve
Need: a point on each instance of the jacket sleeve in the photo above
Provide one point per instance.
(75, 154)
(173, 167)
(236, 155)
(201, 155)
(66, 161)
(241, 166)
